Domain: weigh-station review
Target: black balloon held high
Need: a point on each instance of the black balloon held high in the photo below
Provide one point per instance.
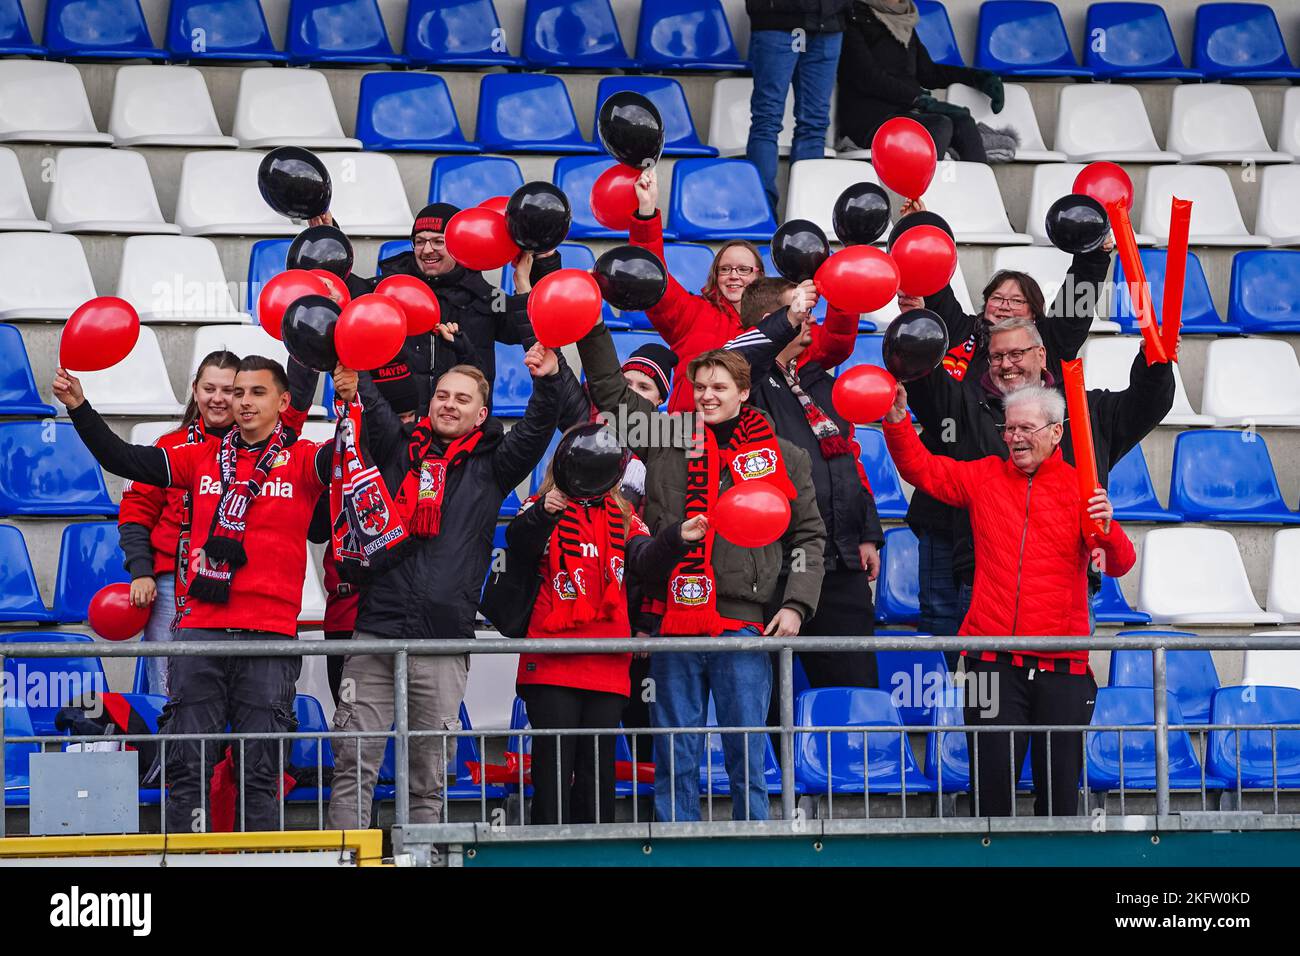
(294, 182)
(308, 331)
(799, 247)
(538, 216)
(923, 218)
(321, 247)
(861, 214)
(1077, 224)
(588, 461)
(631, 278)
(631, 129)
(914, 344)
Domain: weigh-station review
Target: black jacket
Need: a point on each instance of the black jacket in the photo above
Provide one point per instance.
(433, 592)
(814, 16)
(846, 506)
(880, 78)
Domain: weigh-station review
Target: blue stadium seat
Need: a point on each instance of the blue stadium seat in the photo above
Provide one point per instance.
(17, 782)
(409, 111)
(46, 470)
(1224, 475)
(867, 351)
(267, 259)
(509, 507)
(1264, 294)
(513, 386)
(338, 31)
(687, 263)
(573, 33)
(576, 175)
(628, 788)
(1126, 706)
(459, 784)
(840, 765)
(886, 487)
(713, 762)
(89, 558)
(1132, 41)
(686, 35)
(1257, 704)
(20, 598)
(572, 256)
(100, 29)
(1199, 314)
(230, 30)
(719, 199)
(680, 138)
(917, 682)
(1110, 607)
(18, 395)
(466, 181)
(15, 35)
(311, 719)
(455, 33)
(1025, 38)
(1189, 675)
(897, 590)
(1132, 493)
(51, 683)
(953, 754)
(934, 30)
(393, 247)
(1240, 41)
(528, 113)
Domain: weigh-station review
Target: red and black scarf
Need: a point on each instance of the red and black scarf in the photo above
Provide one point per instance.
(364, 521)
(194, 434)
(585, 564)
(753, 454)
(829, 440)
(419, 500)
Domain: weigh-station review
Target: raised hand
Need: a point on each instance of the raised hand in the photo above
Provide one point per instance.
(899, 410)
(647, 192)
(67, 389)
(1100, 510)
(345, 383)
(541, 361)
(694, 529)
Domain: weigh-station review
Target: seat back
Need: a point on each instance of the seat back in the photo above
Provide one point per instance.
(276, 107)
(680, 138)
(1195, 572)
(338, 31)
(266, 259)
(18, 394)
(838, 761)
(460, 32)
(527, 112)
(686, 35)
(51, 683)
(1199, 313)
(1131, 491)
(175, 279)
(967, 196)
(1109, 606)
(413, 111)
(1225, 476)
(15, 205)
(40, 100)
(1024, 37)
(1284, 576)
(1130, 39)
(687, 263)
(1288, 136)
(1276, 217)
(1252, 753)
(1189, 675)
(466, 181)
(161, 102)
(898, 589)
(1214, 206)
(917, 682)
(886, 486)
(106, 189)
(1251, 378)
(368, 194)
(306, 753)
(573, 33)
(815, 185)
(20, 598)
(15, 34)
(90, 558)
(1017, 113)
(17, 723)
(47, 470)
(719, 199)
(575, 175)
(1239, 39)
(218, 195)
(1135, 706)
(1264, 292)
(97, 28)
(224, 29)
(513, 386)
(137, 385)
(1215, 118)
(1051, 181)
(240, 339)
(1107, 362)
(1097, 120)
(1275, 668)
(1047, 265)
(934, 30)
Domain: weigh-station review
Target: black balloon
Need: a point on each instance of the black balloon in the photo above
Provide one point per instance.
(914, 344)
(308, 331)
(321, 247)
(799, 247)
(588, 461)
(924, 218)
(1077, 224)
(631, 129)
(294, 182)
(538, 216)
(861, 214)
(631, 278)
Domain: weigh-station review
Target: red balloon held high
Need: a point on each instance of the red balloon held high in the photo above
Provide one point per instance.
(863, 394)
(497, 204)
(370, 332)
(858, 279)
(281, 291)
(478, 239)
(613, 197)
(752, 514)
(416, 299)
(99, 334)
(112, 616)
(1106, 183)
(564, 306)
(927, 259)
(902, 152)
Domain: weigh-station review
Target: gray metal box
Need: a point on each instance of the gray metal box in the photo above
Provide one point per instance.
(84, 793)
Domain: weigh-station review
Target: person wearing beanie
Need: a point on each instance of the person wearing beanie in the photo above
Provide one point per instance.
(649, 370)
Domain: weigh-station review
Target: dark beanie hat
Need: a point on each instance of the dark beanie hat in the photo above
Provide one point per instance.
(434, 218)
(396, 382)
(656, 361)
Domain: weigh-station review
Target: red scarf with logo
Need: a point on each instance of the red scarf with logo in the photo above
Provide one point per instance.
(752, 455)
(363, 519)
(585, 564)
(419, 499)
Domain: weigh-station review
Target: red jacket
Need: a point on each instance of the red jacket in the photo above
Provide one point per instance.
(691, 324)
(1031, 553)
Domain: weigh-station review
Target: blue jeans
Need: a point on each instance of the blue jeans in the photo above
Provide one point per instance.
(941, 609)
(159, 628)
(741, 683)
(777, 62)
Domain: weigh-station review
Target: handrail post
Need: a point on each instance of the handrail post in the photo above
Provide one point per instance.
(787, 733)
(1159, 683)
(401, 738)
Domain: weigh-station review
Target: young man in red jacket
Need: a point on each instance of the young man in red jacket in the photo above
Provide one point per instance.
(1033, 545)
(252, 493)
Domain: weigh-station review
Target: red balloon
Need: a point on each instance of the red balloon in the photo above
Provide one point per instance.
(338, 289)
(99, 334)
(416, 299)
(858, 279)
(478, 239)
(613, 197)
(282, 291)
(927, 259)
(864, 394)
(112, 615)
(902, 151)
(752, 514)
(497, 204)
(370, 332)
(1106, 183)
(564, 307)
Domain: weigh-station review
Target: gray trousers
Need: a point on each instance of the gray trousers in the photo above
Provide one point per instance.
(436, 689)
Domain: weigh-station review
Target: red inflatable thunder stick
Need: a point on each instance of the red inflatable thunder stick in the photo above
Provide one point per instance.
(1171, 310)
(1085, 457)
(1138, 287)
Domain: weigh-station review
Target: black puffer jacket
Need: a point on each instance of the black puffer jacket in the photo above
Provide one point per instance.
(815, 16)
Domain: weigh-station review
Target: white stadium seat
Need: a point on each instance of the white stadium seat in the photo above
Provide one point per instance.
(16, 211)
(1288, 135)
(490, 688)
(1017, 113)
(1107, 362)
(369, 198)
(967, 196)
(882, 317)
(1277, 217)
(42, 102)
(1218, 123)
(278, 107)
(312, 612)
(137, 385)
(1052, 181)
(1272, 668)
(1047, 265)
(146, 433)
(218, 196)
(1216, 220)
(318, 431)
(175, 279)
(42, 276)
(1251, 381)
(103, 190)
(815, 184)
(243, 340)
(1284, 575)
(729, 119)
(1106, 121)
(313, 678)
(1196, 576)
(164, 106)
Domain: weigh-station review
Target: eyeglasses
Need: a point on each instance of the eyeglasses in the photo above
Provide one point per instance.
(1013, 356)
(1015, 301)
(1025, 430)
(437, 242)
(738, 270)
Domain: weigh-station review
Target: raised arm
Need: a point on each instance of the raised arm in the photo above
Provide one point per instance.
(760, 345)
(526, 443)
(944, 478)
(144, 463)
(1070, 316)
(611, 394)
(385, 436)
(832, 340)
(302, 389)
(1131, 415)
(668, 315)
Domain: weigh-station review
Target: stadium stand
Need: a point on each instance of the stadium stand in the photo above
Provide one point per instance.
(1025, 38)
(1136, 769)
(1191, 675)
(409, 111)
(164, 106)
(686, 35)
(287, 108)
(1132, 41)
(228, 30)
(460, 33)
